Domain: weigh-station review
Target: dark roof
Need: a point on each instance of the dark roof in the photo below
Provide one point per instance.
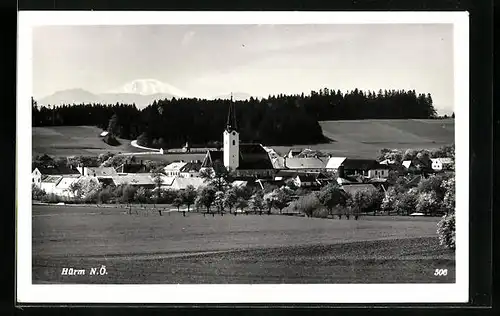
(211, 157)
(106, 181)
(57, 170)
(133, 168)
(362, 164)
(254, 156)
(191, 167)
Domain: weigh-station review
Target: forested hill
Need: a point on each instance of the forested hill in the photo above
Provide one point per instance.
(276, 120)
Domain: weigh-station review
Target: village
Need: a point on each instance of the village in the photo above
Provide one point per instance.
(245, 165)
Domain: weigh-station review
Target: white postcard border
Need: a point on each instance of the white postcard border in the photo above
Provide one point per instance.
(269, 293)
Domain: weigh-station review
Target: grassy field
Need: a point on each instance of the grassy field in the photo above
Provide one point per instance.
(147, 248)
(74, 140)
(363, 138)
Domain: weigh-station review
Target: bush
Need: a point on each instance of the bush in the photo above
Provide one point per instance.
(320, 213)
(105, 195)
(111, 140)
(406, 203)
(306, 204)
(37, 194)
(446, 231)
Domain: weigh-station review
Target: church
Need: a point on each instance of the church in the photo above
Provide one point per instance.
(244, 160)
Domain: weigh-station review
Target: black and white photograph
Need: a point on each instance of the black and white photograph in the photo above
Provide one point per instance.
(243, 157)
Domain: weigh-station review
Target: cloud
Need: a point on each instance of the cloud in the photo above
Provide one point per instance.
(186, 39)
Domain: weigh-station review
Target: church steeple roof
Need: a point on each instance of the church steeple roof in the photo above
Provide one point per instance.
(231, 117)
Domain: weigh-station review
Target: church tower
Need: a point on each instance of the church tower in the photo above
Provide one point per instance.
(231, 140)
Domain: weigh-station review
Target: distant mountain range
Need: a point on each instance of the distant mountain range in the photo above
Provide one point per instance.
(142, 92)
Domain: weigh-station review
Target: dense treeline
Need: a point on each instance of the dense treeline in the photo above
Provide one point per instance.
(276, 120)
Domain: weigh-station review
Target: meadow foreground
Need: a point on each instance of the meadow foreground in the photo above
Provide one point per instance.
(233, 249)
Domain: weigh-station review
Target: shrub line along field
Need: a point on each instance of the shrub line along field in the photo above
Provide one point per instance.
(233, 249)
(356, 138)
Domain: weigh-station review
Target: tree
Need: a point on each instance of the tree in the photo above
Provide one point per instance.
(141, 195)
(178, 202)
(113, 125)
(282, 197)
(230, 198)
(331, 196)
(269, 200)
(256, 202)
(448, 203)
(406, 203)
(307, 204)
(205, 197)
(428, 203)
(389, 200)
(189, 196)
(219, 201)
(37, 194)
(158, 181)
(143, 140)
(447, 231)
(241, 204)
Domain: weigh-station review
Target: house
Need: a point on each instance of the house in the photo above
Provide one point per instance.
(96, 171)
(368, 168)
(305, 164)
(39, 173)
(293, 152)
(306, 180)
(135, 179)
(63, 187)
(190, 169)
(278, 162)
(407, 164)
(252, 161)
(174, 169)
(180, 183)
(439, 164)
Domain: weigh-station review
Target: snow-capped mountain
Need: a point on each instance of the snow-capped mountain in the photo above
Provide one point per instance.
(142, 92)
(149, 87)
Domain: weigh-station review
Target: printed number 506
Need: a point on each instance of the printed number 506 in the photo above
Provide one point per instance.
(440, 272)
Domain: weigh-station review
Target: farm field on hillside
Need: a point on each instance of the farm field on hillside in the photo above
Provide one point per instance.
(233, 249)
(74, 140)
(357, 138)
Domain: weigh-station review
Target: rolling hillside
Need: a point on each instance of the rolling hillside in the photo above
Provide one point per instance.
(73, 140)
(363, 138)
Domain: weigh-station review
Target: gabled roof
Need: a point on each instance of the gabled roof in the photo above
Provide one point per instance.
(254, 156)
(191, 167)
(407, 163)
(362, 164)
(442, 160)
(66, 182)
(278, 162)
(167, 180)
(101, 171)
(353, 188)
(132, 168)
(211, 157)
(335, 162)
(52, 179)
(180, 183)
(174, 166)
(133, 179)
(304, 163)
(57, 170)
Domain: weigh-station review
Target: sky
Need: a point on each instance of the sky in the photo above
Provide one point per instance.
(211, 60)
